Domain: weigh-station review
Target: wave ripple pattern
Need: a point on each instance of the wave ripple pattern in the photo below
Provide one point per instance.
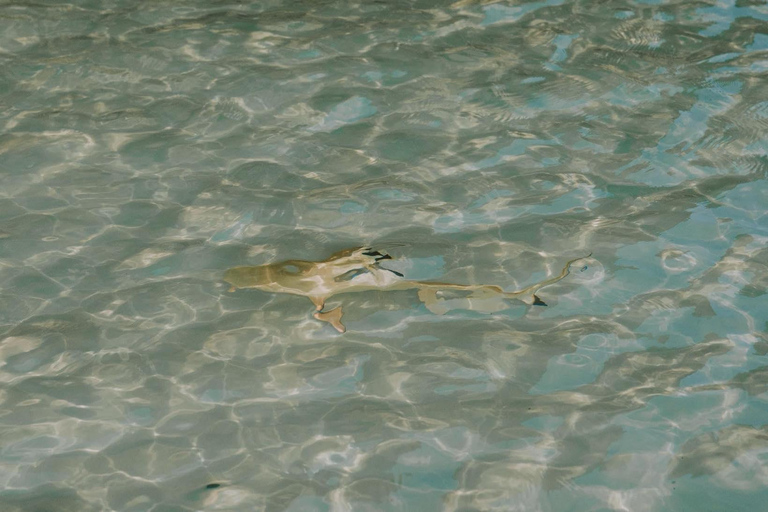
(147, 146)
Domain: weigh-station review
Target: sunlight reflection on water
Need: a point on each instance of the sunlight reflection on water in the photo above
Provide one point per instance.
(147, 147)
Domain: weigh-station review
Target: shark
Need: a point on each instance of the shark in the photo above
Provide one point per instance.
(359, 269)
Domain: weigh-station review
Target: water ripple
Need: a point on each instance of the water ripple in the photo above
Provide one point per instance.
(145, 148)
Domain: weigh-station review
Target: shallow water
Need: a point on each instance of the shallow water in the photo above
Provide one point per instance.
(147, 146)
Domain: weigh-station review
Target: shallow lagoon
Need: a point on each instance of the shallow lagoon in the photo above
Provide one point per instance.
(145, 147)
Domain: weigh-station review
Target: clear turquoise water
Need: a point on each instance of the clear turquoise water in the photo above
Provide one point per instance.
(146, 146)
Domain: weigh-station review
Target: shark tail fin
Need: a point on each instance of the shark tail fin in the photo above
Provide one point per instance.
(536, 301)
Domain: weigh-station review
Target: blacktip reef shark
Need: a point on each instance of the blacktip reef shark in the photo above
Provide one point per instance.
(359, 270)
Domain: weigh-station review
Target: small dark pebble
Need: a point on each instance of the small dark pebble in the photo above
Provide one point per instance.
(213, 486)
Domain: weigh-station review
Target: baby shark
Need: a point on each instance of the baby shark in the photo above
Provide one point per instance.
(359, 270)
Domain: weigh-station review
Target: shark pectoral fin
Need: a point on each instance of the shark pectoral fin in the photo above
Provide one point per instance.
(351, 274)
(537, 301)
(319, 302)
(398, 274)
(333, 317)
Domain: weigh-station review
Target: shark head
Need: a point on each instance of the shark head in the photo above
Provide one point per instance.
(247, 277)
(306, 277)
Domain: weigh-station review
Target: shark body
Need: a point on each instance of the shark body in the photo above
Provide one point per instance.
(359, 269)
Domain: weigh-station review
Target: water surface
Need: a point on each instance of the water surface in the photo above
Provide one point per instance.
(147, 146)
